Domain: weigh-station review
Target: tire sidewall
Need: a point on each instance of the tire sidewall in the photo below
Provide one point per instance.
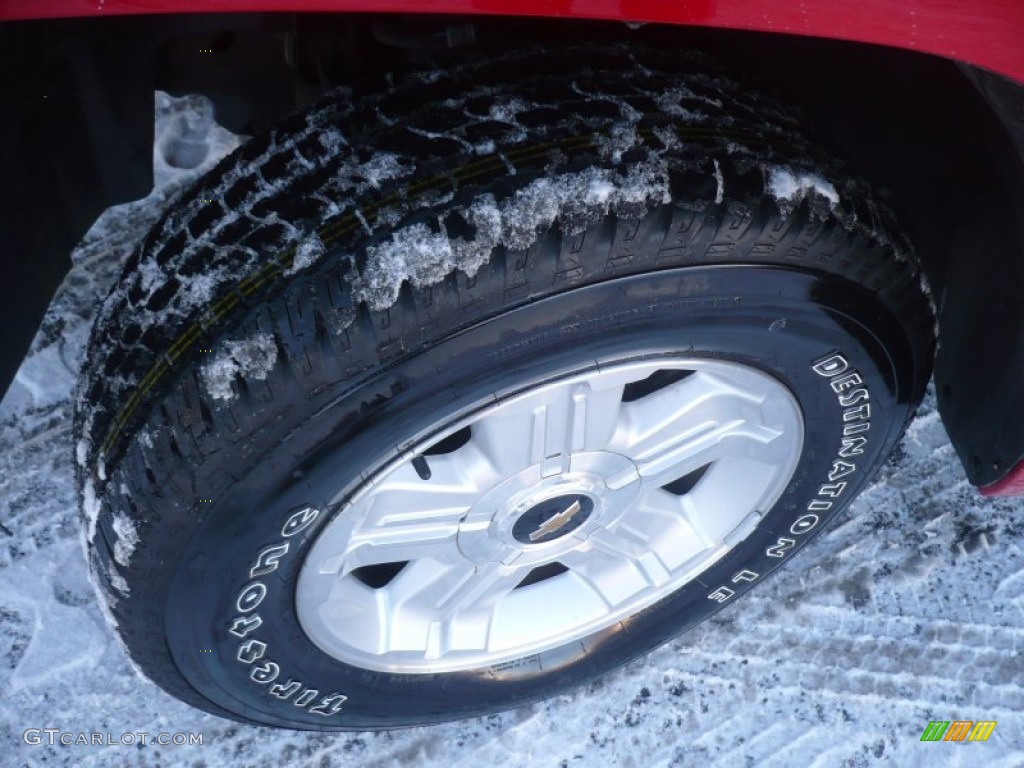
(783, 322)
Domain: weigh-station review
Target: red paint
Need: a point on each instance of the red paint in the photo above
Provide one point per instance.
(1011, 485)
(987, 33)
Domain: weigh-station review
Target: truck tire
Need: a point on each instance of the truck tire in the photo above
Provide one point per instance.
(458, 395)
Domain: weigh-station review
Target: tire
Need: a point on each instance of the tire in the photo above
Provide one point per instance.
(321, 392)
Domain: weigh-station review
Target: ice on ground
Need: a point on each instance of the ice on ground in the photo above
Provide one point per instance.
(251, 358)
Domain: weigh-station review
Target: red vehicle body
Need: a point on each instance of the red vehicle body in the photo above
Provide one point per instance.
(985, 33)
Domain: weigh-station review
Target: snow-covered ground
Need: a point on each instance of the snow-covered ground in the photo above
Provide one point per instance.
(910, 609)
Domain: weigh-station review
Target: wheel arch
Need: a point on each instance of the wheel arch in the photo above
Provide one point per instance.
(944, 142)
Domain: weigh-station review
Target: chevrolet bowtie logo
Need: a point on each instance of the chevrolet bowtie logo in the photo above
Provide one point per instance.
(557, 522)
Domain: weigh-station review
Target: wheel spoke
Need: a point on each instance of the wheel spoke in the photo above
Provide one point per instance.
(695, 521)
(697, 450)
(544, 428)
(411, 600)
(617, 564)
(453, 604)
(678, 430)
(455, 482)
(664, 521)
(487, 586)
(396, 544)
(408, 517)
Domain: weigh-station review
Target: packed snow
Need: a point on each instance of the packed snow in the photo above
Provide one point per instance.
(720, 184)
(307, 253)
(423, 257)
(909, 609)
(127, 537)
(791, 187)
(250, 358)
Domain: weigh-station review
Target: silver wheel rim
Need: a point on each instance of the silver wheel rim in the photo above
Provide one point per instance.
(549, 515)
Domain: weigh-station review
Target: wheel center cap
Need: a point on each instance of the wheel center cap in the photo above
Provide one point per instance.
(552, 518)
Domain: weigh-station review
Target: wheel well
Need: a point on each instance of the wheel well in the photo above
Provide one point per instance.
(920, 128)
(943, 145)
